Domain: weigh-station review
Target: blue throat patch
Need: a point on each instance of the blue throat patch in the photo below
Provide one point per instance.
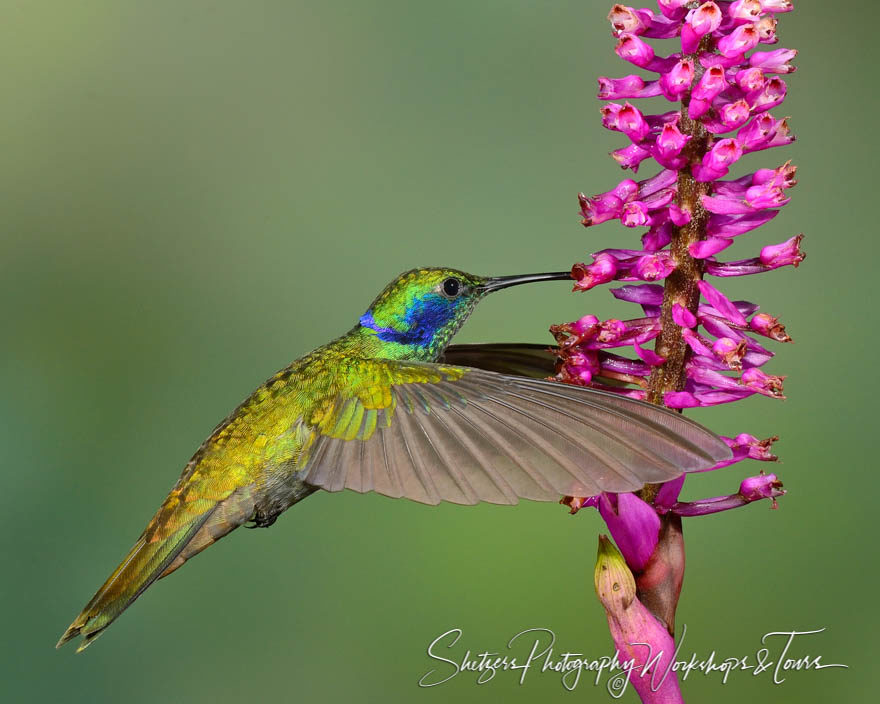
(423, 319)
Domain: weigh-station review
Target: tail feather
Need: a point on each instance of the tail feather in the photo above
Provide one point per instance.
(156, 554)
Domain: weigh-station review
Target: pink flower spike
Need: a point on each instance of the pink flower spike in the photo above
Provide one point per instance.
(702, 21)
(632, 123)
(675, 82)
(721, 303)
(742, 39)
(601, 271)
(718, 160)
(683, 317)
(776, 61)
(762, 383)
(783, 254)
(744, 11)
(631, 86)
(708, 247)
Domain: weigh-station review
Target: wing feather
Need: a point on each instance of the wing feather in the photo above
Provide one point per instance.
(466, 435)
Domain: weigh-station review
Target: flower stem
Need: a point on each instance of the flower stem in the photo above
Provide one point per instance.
(681, 285)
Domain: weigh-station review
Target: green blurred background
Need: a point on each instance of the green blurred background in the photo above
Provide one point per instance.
(195, 193)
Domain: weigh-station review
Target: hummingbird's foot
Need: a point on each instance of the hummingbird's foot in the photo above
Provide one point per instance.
(263, 520)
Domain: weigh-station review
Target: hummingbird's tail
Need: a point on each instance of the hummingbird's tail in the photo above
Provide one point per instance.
(178, 531)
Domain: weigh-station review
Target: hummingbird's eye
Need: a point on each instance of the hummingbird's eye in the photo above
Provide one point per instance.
(451, 287)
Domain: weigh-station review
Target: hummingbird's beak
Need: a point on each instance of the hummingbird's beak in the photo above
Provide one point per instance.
(498, 282)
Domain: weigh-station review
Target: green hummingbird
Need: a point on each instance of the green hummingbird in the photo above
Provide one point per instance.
(388, 407)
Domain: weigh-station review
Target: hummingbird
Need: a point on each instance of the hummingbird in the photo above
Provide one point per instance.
(391, 407)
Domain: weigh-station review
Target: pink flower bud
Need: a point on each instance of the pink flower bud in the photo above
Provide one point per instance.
(762, 383)
(738, 42)
(776, 6)
(730, 351)
(750, 80)
(609, 114)
(600, 208)
(766, 28)
(744, 11)
(769, 326)
(711, 83)
(776, 61)
(758, 132)
(675, 82)
(626, 19)
(718, 160)
(783, 254)
(764, 486)
(652, 267)
(636, 51)
(630, 157)
(673, 9)
(770, 96)
(635, 214)
(702, 21)
(631, 86)
(632, 123)
(601, 271)
(730, 117)
(669, 144)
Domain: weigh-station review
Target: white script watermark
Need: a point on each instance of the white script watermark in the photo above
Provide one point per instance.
(534, 650)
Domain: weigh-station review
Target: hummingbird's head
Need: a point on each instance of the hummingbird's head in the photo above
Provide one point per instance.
(418, 313)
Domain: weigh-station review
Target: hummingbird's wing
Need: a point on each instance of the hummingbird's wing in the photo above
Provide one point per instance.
(435, 432)
(517, 358)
